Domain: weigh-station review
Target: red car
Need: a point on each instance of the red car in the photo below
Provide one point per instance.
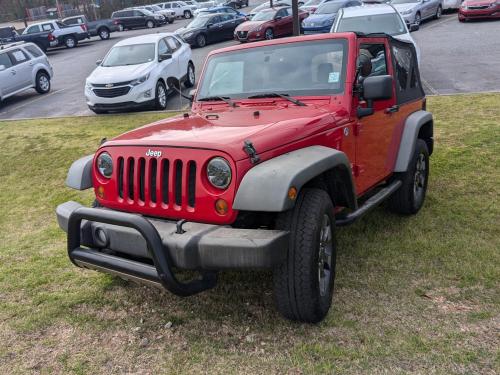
(471, 9)
(267, 24)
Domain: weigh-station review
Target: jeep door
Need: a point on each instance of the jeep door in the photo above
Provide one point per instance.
(7, 77)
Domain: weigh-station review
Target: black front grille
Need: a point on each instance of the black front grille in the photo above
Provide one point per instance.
(112, 93)
(151, 180)
(242, 34)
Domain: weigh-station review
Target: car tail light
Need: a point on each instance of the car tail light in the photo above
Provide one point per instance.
(84, 27)
(424, 104)
(115, 22)
(51, 37)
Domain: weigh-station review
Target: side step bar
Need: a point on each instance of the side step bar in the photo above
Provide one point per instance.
(371, 203)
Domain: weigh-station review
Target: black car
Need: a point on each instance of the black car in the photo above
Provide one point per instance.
(209, 28)
(136, 18)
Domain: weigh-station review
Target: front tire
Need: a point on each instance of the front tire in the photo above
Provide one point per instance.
(303, 283)
(70, 42)
(439, 12)
(187, 14)
(409, 198)
(418, 19)
(201, 41)
(150, 24)
(191, 78)
(42, 83)
(269, 34)
(160, 96)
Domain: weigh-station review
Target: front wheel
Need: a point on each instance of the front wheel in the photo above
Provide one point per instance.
(418, 19)
(70, 42)
(42, 83)
(150, 24)
(201, 41)
(191, 78)
(439, 12)
(187, 14)
(409, 198)
(303, 283)
(269, 34)
(161, 96)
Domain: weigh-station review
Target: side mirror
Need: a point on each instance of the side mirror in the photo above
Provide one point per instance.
(375, 88)
(209, 25)
(414, 27)
(277, 18)
(98, 62)
(164, 56)
(2, 68)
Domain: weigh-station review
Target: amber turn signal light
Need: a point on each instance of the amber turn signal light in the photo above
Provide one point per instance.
(100, 192)
(292, 193)
(221, 207)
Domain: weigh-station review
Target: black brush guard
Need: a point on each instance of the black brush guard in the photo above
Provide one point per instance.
(161, 273)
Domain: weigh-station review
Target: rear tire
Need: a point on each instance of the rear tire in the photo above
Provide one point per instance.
(187, 14)
(409, 198)
(104, 33)
(70, 42)
(303, 283)
(160, 96)
(191, 78)
(42, 83)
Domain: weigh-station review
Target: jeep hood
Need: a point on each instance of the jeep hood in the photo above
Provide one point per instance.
(226, 130)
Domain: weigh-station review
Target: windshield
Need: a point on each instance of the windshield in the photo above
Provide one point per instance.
(329, 8)
(264, 16)
(134, 54)
(404, 1)
(296, 69)
(155, 8)
(379, 23)
(313, 2)
(198, 22)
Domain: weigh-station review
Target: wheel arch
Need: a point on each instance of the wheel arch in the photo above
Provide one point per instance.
(38, 71)
(265, 187)
(419, 124)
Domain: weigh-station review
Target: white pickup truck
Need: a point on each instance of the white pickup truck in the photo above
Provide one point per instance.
(66, 35)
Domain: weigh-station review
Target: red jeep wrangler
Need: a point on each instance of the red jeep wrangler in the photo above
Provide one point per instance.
(286, 140)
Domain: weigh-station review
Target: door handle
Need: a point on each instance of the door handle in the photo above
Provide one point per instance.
(393, 109)
(13, 72)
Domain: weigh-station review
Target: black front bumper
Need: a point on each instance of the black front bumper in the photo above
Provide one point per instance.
(147, 250)
(123, 106)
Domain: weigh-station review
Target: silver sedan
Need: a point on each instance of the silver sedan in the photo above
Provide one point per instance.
(415, 11)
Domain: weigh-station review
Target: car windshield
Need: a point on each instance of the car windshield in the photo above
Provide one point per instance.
(329, 8)
(266, 15)
(134, 54)
(404, 1)
(199, 21)
(313, 2)
(296, 69)
(378, 23)
(155, 8)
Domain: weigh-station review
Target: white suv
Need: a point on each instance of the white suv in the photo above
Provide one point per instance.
(180, 8)
(137, 72)
(23, 66)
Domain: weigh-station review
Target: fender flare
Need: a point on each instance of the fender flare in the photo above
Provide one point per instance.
(265, 186)
(80, 173)
(412, 127)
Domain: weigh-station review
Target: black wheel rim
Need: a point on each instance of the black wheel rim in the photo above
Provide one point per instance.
(269, 34)
(325, 256)
(420, 178)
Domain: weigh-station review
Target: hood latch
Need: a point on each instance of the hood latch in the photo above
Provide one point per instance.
(251, 152)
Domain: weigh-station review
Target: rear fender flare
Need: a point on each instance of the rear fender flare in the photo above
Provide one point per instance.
(265, 187)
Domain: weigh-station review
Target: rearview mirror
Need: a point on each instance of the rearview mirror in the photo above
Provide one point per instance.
(98, 62)
(164, 56)
(375, 88)
(414, 27)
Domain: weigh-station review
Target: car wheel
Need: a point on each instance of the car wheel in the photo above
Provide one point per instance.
(170, 20)
(42, 83)
(418, 19)
(191, 78)
(150, 24)
(121, 27)
(303, 283)
(70, 42)
(161, 96)
(201, 41)
(104, 33)
(269, 34)
(409, 198)
(187, 14)
(439, 12)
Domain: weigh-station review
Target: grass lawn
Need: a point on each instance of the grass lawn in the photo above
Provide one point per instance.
(413, 294)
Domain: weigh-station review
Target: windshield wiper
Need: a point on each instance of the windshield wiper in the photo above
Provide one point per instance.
(221, 98)
(278, 95)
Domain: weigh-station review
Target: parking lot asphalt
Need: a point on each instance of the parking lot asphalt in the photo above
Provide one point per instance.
(456, 58)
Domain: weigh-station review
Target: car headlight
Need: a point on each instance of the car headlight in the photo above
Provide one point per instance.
(258, 28)
(407, 11)
(105, 165)
(187, 35)
(219, 173)
(88, 86)
(138, 81)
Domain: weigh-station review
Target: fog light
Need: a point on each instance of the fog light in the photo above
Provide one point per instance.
(147, 94)
(292, 193)
(221, 207)
(100, 192)
(100, 237)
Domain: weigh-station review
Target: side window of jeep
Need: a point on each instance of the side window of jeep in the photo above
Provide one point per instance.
(408, 86)
(377, 55)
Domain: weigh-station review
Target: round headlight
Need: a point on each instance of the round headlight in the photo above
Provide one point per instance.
(105, 164)
(219, 173)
